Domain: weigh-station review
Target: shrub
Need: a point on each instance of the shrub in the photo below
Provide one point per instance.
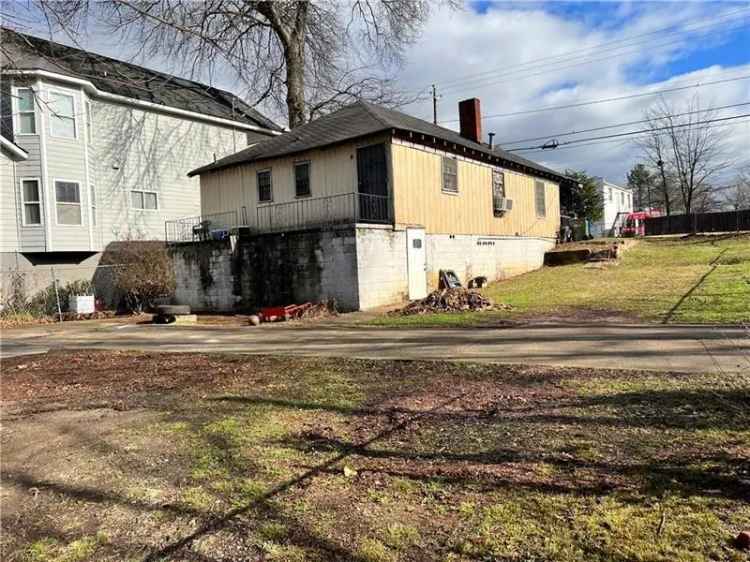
(143, 272)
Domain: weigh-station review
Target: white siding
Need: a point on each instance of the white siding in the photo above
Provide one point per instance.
(148, 151)
(8, 207)
(30, 238)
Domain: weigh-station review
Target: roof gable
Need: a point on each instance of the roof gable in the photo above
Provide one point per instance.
(127, 79)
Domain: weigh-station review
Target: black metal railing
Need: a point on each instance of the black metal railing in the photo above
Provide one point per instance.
(216, 226)
(323, 212)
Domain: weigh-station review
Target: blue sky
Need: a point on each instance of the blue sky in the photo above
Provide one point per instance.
(599, 50)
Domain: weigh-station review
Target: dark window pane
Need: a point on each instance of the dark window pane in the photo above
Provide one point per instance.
(33, 213)
(264, 186)
(67, 192)
(30, 191)
(450, 174)
(539, 199)
(302, 179)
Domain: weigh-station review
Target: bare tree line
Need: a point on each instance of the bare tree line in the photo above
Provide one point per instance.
(302, 58)
(684, 159)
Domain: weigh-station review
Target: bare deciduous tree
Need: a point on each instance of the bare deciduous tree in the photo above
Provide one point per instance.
(684, 147)
(303, 57)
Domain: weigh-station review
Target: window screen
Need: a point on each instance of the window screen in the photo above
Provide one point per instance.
(539, 199)
(302, 179)
(26, 112)
(68, 197)
(450, 175)
(265, 192)
(62, 121)
(32, 206)
(498, 191)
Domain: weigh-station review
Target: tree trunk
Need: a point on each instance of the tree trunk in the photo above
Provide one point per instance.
(295, 82)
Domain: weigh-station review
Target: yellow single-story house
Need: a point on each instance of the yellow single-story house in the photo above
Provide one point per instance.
(389, 200)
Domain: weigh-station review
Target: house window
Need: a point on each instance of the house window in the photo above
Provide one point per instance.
(68, 197)
(498, 191)
(26, 111)
(62, 120)
(302, 179)
(32, 204)
(450, 175)
(539, 200)
(265, 190)
(143, 200)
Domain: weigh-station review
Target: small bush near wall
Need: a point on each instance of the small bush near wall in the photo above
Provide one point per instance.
(16, 307)
(142, 272)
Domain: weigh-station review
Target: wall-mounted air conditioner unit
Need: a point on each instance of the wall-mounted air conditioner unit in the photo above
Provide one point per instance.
(502, 204)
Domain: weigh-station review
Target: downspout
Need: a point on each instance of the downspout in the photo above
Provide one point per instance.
(45, 171)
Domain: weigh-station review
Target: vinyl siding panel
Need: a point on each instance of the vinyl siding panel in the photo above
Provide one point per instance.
(66, 162)
(8, 206)
(30, 238)
(419, 199)
(333, 171)
(149, 151)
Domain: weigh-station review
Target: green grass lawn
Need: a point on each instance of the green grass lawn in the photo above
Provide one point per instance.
(131, 456)
(703, 279)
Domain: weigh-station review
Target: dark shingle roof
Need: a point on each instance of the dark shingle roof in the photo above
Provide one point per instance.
(26, 52)
(358, 120)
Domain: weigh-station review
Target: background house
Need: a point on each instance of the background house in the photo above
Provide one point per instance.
(617, 201)
(96, 150)
(408, 199)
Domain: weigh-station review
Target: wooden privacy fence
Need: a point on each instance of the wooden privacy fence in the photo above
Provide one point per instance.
(728, 221)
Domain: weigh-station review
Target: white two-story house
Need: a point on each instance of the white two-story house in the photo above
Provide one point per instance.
(95, 150)
(617, 202)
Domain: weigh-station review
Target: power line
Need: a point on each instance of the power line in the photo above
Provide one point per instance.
(555, 135)
(608, 100)
(514, 75)
(619, 138)
(598, 48)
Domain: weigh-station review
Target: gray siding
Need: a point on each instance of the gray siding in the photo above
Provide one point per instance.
(30, 238)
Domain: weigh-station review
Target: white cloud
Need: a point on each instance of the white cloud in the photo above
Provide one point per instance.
(458, 44)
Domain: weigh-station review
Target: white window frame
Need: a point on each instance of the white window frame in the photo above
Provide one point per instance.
(40, 202)
(442, 176)
(543, 185)
(17, 112)
(143, 199)
(297, 164)
(71, 95)
(80, 202)
(257, 186)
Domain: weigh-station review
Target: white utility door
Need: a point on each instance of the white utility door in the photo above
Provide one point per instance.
(416, 259)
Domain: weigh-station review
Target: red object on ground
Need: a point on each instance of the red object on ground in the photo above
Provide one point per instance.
(277, 313)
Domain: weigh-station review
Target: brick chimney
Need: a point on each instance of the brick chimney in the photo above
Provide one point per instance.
(470, 117)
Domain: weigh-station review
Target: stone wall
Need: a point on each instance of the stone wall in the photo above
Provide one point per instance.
(204, 275)
(494, 257)
(248, 272)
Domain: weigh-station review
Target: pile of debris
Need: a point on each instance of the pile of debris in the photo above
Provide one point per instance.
(456, 299)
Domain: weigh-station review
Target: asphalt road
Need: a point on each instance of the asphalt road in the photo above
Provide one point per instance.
(620, 346)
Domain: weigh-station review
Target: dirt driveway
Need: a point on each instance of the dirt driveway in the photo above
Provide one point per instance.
(117, 456)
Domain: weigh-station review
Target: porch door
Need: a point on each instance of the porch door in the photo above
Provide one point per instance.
(372, 183)
(416, 262)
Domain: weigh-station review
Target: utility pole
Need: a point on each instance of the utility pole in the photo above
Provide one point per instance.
(434, 104)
